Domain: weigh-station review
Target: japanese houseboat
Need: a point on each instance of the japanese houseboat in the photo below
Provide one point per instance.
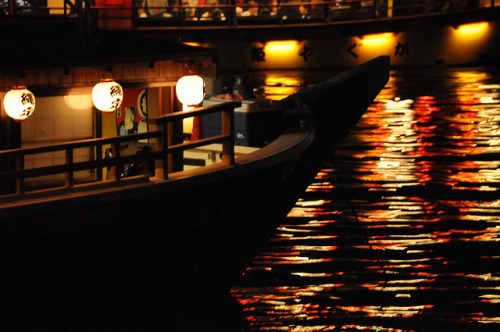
(82, 244)
(284, 34)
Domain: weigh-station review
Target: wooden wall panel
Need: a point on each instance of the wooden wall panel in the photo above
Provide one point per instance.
(165, 72)
(129, 72)
(28, 79)
(68, 76)
(93, 75)
(153, 71)
(8, 81)
(80, 75)
(117, 72)
(141, 71)
(54, 76)
(41, 77)
(165, 69)
(179, 69)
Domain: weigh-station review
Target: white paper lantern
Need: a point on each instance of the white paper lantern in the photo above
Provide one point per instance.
(19, 103)
(190, 90)
(107, 95)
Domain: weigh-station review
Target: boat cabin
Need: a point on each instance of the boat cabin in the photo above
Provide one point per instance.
(66, 141)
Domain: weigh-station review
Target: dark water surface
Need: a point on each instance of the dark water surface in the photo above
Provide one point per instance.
(400, 231)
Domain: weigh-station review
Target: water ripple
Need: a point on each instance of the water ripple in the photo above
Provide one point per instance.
(400, 231)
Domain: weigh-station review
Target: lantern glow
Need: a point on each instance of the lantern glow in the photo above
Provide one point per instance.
(377, 39)
(107, 95)
(190, 90)
(281, 46)
(19, 103)
(472, 28)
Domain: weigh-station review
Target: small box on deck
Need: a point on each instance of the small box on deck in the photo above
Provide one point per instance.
(256, 123)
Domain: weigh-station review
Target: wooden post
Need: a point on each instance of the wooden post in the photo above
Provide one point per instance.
(160, 144)
(165, 139)
(117, 168)
(228, 129)
(69, 162)
(81, 17)
(98, 156)
(175, 136)
(98, 134)
(12, 7)
(20, 180)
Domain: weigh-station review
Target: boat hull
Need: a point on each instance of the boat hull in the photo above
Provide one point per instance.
(166, 249)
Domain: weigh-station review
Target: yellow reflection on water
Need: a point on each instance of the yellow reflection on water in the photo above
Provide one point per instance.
(278, 86)
(387, 311)
(392, 226)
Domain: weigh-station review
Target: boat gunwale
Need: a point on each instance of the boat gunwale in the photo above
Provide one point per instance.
(294, 139)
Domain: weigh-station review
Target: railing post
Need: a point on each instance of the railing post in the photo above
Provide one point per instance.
(165, 149)
(161, 145)
(427, 5)
(98, 157)
(20, 179)
(81, 19)
(117, 168)
(89, 18)
(183, 15)
(135, 13)
(69, 162)
(230, 13)
(228, 129)
(12, 7)
(326, 12)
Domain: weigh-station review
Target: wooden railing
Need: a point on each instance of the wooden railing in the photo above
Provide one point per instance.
(225, 13)
(281, 12)
(226, 138)
(116, 162)
(17, 157)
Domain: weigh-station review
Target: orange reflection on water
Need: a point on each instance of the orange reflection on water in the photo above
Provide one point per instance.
(321, 187)
(310, 212)
(403, 221)
(285, 303)
(321, 183)
(387, 311)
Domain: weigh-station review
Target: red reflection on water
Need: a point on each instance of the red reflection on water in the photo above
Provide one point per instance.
(424, 109)
(408, 237)
(324, 174)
